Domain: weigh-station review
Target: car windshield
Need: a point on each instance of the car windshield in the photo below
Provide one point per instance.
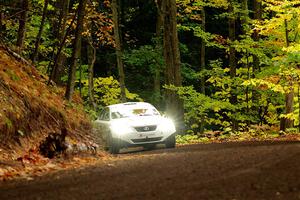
(133, 112)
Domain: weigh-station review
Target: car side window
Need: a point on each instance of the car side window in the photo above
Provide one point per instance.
(101, 114)
(104, 115)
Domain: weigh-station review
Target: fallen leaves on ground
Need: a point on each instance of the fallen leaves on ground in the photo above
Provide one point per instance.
(32, 164)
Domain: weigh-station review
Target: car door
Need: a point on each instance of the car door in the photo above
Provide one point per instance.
(103, 122)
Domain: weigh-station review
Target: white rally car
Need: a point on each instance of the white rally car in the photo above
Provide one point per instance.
(134, 124)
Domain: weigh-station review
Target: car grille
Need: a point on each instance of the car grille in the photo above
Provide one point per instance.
(147, 140)
(145, 128)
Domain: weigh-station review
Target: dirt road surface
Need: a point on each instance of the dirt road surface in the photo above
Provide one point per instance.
(249, 170)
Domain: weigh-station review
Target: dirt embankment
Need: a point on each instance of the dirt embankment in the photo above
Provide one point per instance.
(30, 110)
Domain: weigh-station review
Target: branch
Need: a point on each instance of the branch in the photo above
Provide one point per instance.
(14, 54)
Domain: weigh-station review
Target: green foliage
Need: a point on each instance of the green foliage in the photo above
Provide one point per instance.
(33, 27)
(260, 87)
(12, 30)
(43, 66)
(91, 112)
(199, 108)
(146, 56)
(190, 139)
(107, 91)
(254, 133)
(210, 39)
(143, 65)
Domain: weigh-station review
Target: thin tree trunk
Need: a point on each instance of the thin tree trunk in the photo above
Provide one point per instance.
(157, 85)
(232, 58)
(202, 57)
(202, 63)
(39, 35)
(245, 16)
(76, 51)
(1, 21)
(91, 54)
(247, 90)
(289, 106)
(298, 106)
(289, 97)
(257, 10)
(119, 51)
(22, 25)
(257, 4)
(245, 25)
(53, 74)
(160, 18)
(56, 32)
(174, 105)
(58, 69)
(158, 46)
(80, 75)
(286, 33)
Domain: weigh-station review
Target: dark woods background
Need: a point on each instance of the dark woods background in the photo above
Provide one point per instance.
(229, 65)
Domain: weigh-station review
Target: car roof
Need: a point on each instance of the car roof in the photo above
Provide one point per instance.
(130, 104)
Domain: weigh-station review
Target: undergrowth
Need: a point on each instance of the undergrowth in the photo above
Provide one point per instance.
(251, 135)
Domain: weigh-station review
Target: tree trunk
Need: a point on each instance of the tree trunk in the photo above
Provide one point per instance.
(287, 41)
(299, 106)
(245, 28)
(245, 16)
(158, 46)
(160, 18)
(59, 68)
(60, 48)
(80, 74)
(202, 55)
(1, 22)
(39, 35)
(76, 50)
(91, 57)
(119, 51)
(232, 58)
(174, 105)
(22, 25)
(257, 5)
(156, 88)
(257, 9)
(289, 97)
(202, 63)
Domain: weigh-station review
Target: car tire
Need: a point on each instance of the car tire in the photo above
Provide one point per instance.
(113, 145)
(170, 141)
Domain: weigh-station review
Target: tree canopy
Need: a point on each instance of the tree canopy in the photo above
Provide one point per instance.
(211, 64)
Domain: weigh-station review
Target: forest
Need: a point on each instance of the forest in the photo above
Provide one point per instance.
(212, 65)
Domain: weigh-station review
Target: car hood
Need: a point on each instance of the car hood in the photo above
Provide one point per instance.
(140, 121)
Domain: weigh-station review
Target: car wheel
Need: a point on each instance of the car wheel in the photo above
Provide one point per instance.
(171, 141)
(113, 145)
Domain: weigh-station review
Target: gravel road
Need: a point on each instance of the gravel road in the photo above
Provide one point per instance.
(246, 170)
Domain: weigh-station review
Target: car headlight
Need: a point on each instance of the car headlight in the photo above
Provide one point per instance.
(120, 128)
(167, 125)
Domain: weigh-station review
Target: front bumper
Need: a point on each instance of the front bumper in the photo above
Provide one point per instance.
(140, 142)
(139, 138)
